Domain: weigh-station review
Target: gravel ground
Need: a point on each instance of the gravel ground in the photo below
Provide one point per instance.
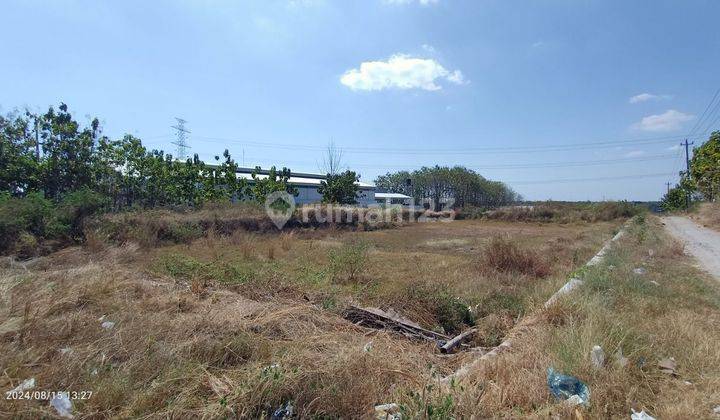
(700, 242)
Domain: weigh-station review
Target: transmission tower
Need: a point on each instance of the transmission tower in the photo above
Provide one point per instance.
(181, 142)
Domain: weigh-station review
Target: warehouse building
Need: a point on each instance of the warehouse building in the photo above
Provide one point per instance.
(307, 185)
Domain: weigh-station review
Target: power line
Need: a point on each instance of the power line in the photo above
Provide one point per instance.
(705, 115)
(571, 180)
(461, 151)
(521, 165)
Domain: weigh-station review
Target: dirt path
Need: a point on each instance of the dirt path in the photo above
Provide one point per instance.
(700, 242)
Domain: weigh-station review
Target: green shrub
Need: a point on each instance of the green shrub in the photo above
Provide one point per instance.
(449, 312)
(181, 233)
(33, 214)
(26, 245)
(186, 268)
(499, 302)
(77, 206)
(349, 260)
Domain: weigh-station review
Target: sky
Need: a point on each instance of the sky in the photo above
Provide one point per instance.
(560, 99)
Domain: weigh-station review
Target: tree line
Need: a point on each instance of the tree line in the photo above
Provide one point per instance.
(702, 182)
(439, 184)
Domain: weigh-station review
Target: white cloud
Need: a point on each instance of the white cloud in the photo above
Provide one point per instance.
(538, 44)
(402, 72)
(634, 153)
(428, 48)
(674, 148)
(644, 97)
(669, 120)
(422, 2)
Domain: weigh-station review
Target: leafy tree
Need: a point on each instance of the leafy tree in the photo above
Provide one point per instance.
(67, 152)
(438, 184)
(674, 199)
(275, 181)
(341, 188)
(19, 167)
(705, 167)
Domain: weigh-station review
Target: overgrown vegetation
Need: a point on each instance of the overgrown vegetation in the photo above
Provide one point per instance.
(349, 261)
(222, 321)
(553, 211)
(703, 180)
(637, 319)
(55, 173)
(25, 221)
(504, 255)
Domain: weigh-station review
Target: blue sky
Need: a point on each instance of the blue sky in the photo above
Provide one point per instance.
(490, 84)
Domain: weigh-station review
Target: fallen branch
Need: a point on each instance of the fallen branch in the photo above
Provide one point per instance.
(379, 319)
(455, 341)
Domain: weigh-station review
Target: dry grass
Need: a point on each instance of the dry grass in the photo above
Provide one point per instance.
(618, 310)
(708, 215)
(506, 256)
(567, 212)
(217, 327)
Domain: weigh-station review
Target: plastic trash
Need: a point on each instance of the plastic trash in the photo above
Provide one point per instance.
(368, 346)
(107, 325)
(62, 404)
(640, 271)
(621, 360)
(564, 386)
(597, 357)
(716, 410)
(641, 415)
(387, 411)
(25, 385)
(285, 411)
(668, 366)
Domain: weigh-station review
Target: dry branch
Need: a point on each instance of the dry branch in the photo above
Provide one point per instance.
(457, 340)
(391, 320)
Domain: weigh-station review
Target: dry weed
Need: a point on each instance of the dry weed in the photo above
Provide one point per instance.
(504, 255)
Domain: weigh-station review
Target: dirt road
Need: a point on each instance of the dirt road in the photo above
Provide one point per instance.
(700, 242)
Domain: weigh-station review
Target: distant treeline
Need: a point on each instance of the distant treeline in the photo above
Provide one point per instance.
(54, 173)
(439, 184)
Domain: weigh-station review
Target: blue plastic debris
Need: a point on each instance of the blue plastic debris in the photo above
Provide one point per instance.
(285, 411)
(564, 387)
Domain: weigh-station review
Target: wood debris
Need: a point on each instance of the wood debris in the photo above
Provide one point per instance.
(391, 320)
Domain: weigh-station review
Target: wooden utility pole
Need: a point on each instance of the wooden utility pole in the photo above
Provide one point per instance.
(668, 186)
(687, 169)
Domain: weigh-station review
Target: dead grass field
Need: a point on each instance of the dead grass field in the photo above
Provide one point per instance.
(239, 325)
(672, 310)
(708, 215)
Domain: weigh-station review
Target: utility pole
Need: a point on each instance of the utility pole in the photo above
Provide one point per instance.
(687, 169)
(668, 186)
(181, 142)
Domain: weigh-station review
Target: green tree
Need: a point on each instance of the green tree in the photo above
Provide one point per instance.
(705, 167)
(19, 167)
(67, 153)
(440, 184)
(340, 188)
(276, 180)
(674, 199)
